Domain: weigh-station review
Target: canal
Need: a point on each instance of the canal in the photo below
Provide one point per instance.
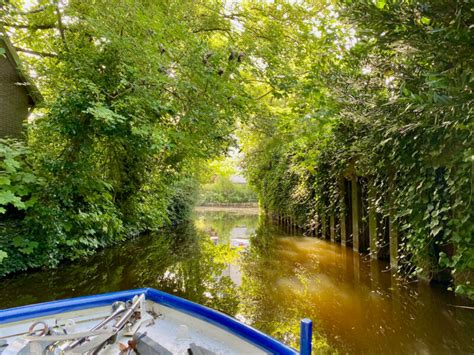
(239, 263)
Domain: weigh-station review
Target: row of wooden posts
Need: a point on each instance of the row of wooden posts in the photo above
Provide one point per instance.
(358, 225)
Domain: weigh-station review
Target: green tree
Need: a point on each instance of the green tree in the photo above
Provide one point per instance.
(137, 95)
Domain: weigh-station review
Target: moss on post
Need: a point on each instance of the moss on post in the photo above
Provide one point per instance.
(373, 235)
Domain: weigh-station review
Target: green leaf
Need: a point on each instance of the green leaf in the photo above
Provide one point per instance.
(7, 197)
(105, 115)
(425, 20)
(11, 165)
(29, 178)
(5, 180)
(380, 3)
(29, 247)
(3, 254)
(67, 227)
(31, 202)
(435, 231)
(18, 241)
(23, 245)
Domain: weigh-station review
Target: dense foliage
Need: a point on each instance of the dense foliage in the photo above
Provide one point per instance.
(138, 94)
(223, 191)
(390, 100)
(222, 183)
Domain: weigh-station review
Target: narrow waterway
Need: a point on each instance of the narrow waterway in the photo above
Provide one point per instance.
(237, 262)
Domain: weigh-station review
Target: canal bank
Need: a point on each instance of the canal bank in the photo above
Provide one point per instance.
(243, 265)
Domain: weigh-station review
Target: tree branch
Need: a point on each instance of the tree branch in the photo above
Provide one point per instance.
(31, 27)
(40, 54)
(262, 96)
(211, 29)
(60, 25)
(35, 11)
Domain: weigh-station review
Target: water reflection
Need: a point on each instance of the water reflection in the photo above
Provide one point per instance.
(357, 305)
(185, 263)
(229, 229)
(244, 266)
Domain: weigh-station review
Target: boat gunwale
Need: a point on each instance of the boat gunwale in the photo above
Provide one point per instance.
(219, 319)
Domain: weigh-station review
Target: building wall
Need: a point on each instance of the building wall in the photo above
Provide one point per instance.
(14, 100)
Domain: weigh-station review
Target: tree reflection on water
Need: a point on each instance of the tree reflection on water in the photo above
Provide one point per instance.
(184, 262)
(245, 267)
(274, 295)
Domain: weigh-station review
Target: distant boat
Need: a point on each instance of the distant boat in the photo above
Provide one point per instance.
(142, 321)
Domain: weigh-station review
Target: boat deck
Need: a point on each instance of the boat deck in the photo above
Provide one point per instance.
(175, 332)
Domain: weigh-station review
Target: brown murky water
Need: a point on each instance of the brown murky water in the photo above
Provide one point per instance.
(256, 272)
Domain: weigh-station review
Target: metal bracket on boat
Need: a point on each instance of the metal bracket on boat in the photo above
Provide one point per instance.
(117, 309)
(67, 326)
(63, 337)
(91, 345)
(32, 330)
(37, 344)
(126, 318)
(142, 318)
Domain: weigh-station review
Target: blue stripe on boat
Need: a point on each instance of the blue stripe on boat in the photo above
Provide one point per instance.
(219, 319)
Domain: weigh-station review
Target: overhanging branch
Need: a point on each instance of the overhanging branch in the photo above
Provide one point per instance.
(60, 25)
(40, 54)
(262, 96)
(218, 29)
(35, 11)
(30, 27)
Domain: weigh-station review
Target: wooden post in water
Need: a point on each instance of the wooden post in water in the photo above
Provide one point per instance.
(315, 226)
(355, 213)
(356, 265)
(342, 189)
(374, 274)
(332, 227)
(393, 233)
(323, 226)
(319, 227)
(373, 235)
(343, 229)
